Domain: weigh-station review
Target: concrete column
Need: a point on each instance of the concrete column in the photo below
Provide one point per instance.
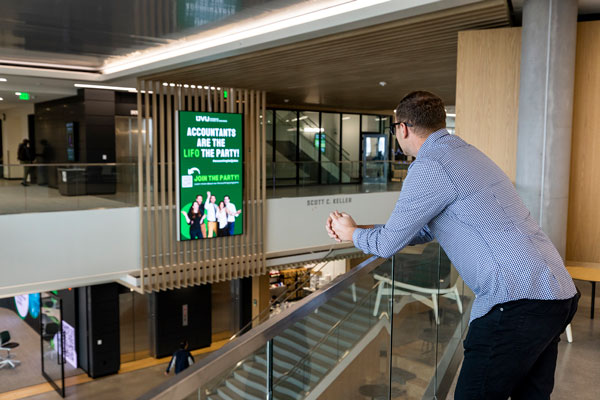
(549, 39)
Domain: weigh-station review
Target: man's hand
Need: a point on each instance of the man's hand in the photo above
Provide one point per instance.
(330, 231)
(342, 226)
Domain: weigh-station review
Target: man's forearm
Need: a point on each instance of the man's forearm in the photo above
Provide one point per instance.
(365, 226)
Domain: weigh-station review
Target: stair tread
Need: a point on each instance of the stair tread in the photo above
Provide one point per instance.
(248, 391)
(318, 358)
(228, 393)
(314, 338)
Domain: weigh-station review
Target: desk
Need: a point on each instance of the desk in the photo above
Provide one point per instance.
(586, 271)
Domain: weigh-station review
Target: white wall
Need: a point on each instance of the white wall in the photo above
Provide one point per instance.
(298, 224)
(42, 251)
(333, 269)
(14, 130)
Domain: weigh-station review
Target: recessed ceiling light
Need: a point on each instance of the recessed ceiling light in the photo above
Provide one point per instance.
(1, 99)
(286, 100)
(2, 79)
(382, 83)
(17, 93)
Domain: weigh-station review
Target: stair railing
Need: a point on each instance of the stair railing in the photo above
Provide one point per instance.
(329, 333)
(220, 362)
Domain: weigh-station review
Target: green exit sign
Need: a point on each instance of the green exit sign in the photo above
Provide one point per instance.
(24, 96)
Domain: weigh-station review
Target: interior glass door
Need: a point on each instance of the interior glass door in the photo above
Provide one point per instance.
(374, 158)
(52, 341)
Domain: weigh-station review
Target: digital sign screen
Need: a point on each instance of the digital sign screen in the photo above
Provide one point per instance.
(210, 181)
(71, 138)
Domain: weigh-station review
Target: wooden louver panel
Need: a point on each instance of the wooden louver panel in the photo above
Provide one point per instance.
(166, 262)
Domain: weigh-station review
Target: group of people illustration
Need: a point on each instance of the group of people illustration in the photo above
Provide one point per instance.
(220, 218)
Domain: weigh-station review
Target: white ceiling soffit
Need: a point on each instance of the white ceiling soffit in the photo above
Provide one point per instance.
(307, 20)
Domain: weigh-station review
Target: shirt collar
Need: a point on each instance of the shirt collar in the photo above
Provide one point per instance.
(431, 139)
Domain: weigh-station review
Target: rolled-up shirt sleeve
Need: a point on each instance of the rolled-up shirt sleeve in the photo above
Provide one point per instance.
(426, 192)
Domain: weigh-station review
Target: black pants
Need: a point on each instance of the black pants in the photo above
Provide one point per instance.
(512, 350)
(223, 231)
(195, 233)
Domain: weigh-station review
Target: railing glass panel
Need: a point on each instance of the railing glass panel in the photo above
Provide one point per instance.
(386, 329)
(247, 379)
(335, 340)
(336, 178)
(26, 188)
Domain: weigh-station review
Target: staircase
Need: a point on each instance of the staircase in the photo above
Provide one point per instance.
(309, 156)
(304, 354)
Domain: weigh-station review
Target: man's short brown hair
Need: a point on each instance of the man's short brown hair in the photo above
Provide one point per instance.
(424, 110)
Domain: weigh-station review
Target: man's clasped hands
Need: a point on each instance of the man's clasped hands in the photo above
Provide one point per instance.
(340, 226)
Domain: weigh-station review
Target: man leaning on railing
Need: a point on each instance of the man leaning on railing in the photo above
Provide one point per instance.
(524, 295)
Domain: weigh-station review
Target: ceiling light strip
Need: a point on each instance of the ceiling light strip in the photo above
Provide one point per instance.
(20, 63)
(105, 87)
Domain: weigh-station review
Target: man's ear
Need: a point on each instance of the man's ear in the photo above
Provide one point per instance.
(404, 131)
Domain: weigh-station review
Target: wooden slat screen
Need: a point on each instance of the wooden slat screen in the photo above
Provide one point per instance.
(166, 262)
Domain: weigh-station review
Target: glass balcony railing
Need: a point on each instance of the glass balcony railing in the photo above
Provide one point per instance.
(26, 188)
(389, 328)
(285, 177)
(81, 186)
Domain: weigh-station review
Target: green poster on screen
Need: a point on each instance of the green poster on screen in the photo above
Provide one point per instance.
(210, 175)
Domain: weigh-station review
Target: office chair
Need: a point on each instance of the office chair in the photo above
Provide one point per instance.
(7, 345)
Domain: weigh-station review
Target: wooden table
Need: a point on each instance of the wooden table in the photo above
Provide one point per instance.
(586, 271)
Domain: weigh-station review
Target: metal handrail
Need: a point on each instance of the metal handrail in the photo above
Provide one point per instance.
(326, 335)
(222, 360)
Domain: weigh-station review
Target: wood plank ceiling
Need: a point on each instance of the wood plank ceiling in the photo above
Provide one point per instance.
(344, 70)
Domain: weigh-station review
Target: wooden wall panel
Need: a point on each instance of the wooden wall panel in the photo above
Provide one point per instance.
(487, 93)
(583, 227)
(166, 262)
(487, 113)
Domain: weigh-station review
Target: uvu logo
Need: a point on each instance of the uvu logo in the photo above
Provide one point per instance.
(206, 118)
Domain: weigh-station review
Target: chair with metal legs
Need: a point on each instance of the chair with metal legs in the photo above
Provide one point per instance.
(7, 345)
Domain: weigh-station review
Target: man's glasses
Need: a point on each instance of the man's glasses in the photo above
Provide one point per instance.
(394, 124)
